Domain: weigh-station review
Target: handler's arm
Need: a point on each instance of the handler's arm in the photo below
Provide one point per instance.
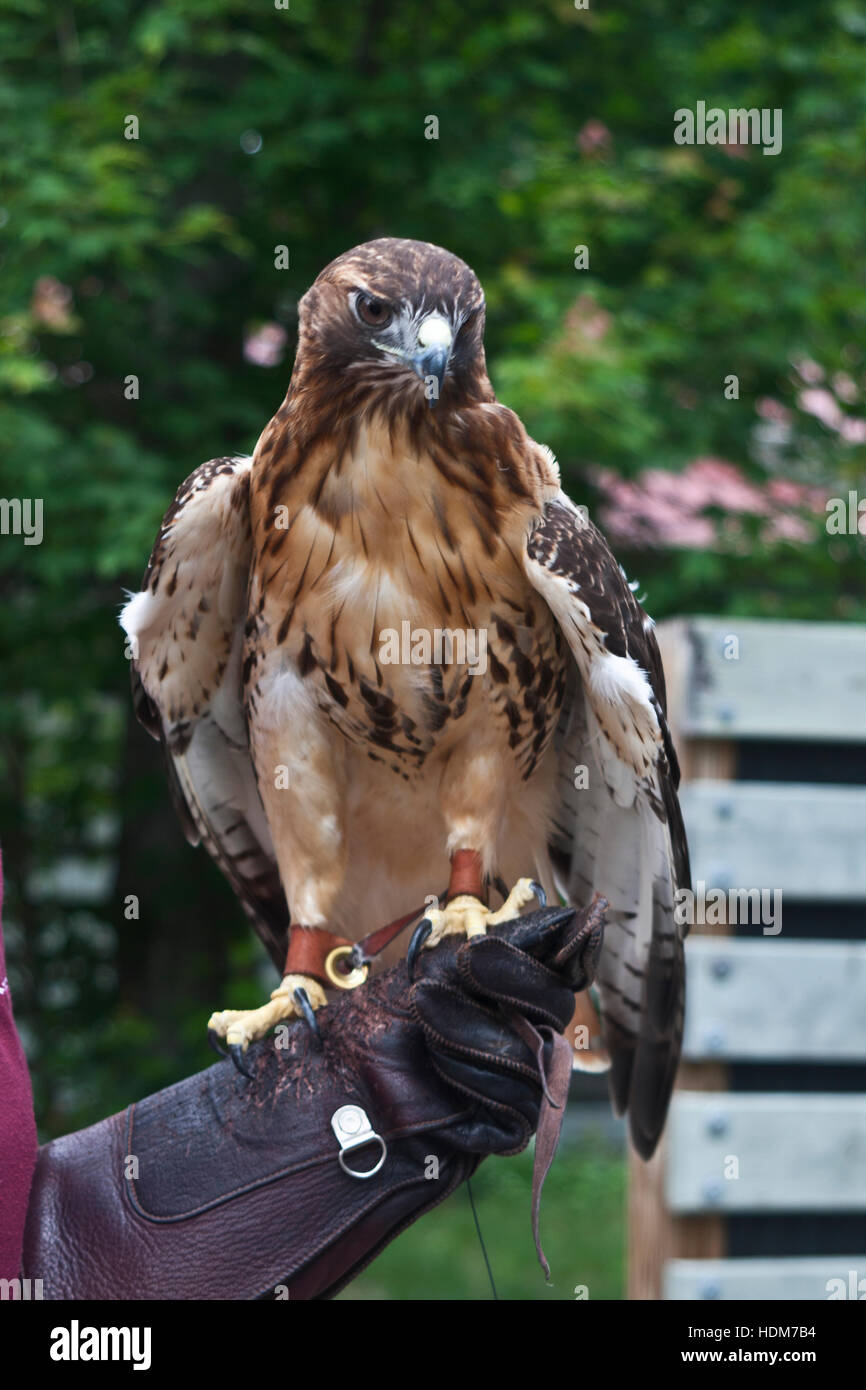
(227, 1188)
(17, 1129)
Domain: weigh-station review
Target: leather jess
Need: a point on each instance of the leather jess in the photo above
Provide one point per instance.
(226, 1188)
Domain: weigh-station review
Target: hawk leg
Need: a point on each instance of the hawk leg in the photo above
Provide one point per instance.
(300, 992)
(464, 912)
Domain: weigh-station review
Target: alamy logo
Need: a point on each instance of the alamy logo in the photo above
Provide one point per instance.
(738, 906)
(19, 1290)
(855, 1288)
(423, 646)
(741, 126)
(22, 516)
(77, 1343)
(846, 516)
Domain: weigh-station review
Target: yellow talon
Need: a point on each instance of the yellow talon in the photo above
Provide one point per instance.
(468, 916)
(244, 1026)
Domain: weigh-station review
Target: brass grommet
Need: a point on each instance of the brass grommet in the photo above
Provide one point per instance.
(344, 979)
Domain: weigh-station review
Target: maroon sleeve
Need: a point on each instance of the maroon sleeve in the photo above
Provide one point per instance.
(17, 1128)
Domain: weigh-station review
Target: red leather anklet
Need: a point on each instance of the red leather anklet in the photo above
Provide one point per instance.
(465, 874)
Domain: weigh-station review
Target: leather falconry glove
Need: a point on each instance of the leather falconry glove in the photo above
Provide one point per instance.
(287, 1185)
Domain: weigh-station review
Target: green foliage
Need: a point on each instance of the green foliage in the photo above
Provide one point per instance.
(582, 1234)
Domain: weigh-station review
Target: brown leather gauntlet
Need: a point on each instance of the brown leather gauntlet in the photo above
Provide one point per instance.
(224, 1188)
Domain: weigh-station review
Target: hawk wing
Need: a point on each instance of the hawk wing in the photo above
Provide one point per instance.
(618, 829)
(186, 631)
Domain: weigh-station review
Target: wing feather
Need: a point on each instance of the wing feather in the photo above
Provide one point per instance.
(186, 628)
(617, 827)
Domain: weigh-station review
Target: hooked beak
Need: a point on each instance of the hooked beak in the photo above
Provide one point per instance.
(430, 366)
(434, 351)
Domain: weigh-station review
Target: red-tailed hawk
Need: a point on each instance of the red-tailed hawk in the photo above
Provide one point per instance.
(388, 649)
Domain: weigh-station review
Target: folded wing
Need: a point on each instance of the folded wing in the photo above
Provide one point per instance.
(618, 829)
(186, 635)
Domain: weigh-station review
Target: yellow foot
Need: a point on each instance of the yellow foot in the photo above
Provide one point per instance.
(467, 916)
(240, 1027)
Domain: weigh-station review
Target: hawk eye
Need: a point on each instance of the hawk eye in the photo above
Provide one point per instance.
(375, 312)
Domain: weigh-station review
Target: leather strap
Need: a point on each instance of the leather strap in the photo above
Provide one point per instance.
(371, 945)
(309, 947)
(555, 1085)
(465, 874)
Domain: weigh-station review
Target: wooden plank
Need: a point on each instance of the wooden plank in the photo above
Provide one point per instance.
(789, 1152)
(837, 1276)
(804, 839)
(698, 757)
(775, 1000)
(649, 1227)
(749, 678)
(789, 681)
(657, 1235)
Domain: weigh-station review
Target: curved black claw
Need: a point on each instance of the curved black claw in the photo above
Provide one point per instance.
(419, 936)
(501, 886)
(213, 1038)
(539, 893)
(302, 999)
(238, 1056)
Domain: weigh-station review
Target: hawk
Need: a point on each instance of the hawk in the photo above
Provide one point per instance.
(339, 757)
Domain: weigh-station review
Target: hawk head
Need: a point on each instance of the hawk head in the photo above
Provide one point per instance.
(397, 322)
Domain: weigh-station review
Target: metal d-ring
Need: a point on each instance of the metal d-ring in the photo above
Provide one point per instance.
(354, 1131)
(344, 979)
(350, 1172)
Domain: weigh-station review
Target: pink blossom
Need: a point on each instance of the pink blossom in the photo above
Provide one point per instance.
(788, 528)
(661, 508)
(770, 409)
(585, 322)
(853, 430)
(809, 371)
(51, 304)
(594, 138)
(264, 345)
(823, 405)
(846, 388)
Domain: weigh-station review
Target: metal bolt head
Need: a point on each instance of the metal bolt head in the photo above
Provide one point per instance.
(720, 968)
(717, 1124)
(711, 1288)
(711, 1192)
(351, 1119)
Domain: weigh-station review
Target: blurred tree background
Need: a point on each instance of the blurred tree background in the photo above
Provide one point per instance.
(154, 258)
